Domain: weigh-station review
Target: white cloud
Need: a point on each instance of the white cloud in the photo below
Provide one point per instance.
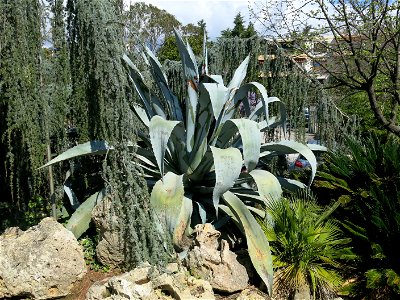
(218, 14)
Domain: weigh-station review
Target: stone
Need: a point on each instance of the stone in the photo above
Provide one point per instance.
(149, 283)
(252, 294)
(43, 262)
(110, 249)
(210, 259)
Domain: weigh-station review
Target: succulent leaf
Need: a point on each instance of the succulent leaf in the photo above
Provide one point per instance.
(160, 132)
(288, 147)
(88, 148)
(80, 219)
(189, 66)
(191, 110)
(257, 243)
(239, 75)
(228, 163)
(268, 185)
(170, 206)
(251, 141)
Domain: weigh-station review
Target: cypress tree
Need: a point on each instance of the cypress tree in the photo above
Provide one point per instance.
(22, 127)
(100, 110)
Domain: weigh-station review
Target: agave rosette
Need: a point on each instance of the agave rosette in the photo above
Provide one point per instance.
(201, 162)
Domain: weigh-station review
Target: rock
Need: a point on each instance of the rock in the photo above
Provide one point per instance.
(43, 262)
(212, 260)
(252, 294)
(110, 249)
(147, 283)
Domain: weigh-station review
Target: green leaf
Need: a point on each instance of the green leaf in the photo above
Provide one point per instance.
(251, 140)
(88, 148)
(160, 132)
(191, 110)
(291, 185)
(228, 163)
(268, 185)
(170, 206)
(257, 243)
(80, 219)
(217, 93)
(288, 147)
(189, 66)
(162, 82)
(141, 114)
(239, 75)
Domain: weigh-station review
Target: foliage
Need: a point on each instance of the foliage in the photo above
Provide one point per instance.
(362, 52)
(24, 101)
(148, 25)
(194, 34)
(99, 110)
(365, 180)
(309, 250)
(239, 29)
(89, 253)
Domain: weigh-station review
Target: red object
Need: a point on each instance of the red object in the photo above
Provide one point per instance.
(298, 164)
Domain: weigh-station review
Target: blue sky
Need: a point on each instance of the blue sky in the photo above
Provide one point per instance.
(218, 15)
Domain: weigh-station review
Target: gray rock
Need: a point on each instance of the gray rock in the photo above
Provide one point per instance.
(110, 249)
(43, 262)
(212, 260)
(147, 283)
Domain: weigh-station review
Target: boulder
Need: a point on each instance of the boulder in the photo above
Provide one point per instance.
(210, 259)
(149, 283)
(110, 249)
(43, 262)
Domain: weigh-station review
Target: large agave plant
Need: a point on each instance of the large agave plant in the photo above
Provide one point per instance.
(200, 161)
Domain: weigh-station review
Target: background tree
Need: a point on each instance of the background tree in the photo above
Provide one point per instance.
(364, 54)
(194, 34)
(22, 107)
(239, 29)
(147, 24)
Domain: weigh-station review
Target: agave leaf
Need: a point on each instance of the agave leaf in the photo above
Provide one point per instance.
(182, 226)
(291, 184)
(274, 121)
(202, 212)
(229, 212)
(88, 148)
(217, 93)
(205, 115)
(189, 66)
(138, 81)
(228, 163)
(141, 114)
(167, 200)
(267, 184)
(239, 75)
(162, 82)
(80, 219)
(191, 110)
(205, 55)
(251, 141)
(160, 132)
(73, 199)
(204, 167)
(288, 147)
(257, 243)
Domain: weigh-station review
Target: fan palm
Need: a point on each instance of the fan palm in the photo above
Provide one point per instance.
(308, 247)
